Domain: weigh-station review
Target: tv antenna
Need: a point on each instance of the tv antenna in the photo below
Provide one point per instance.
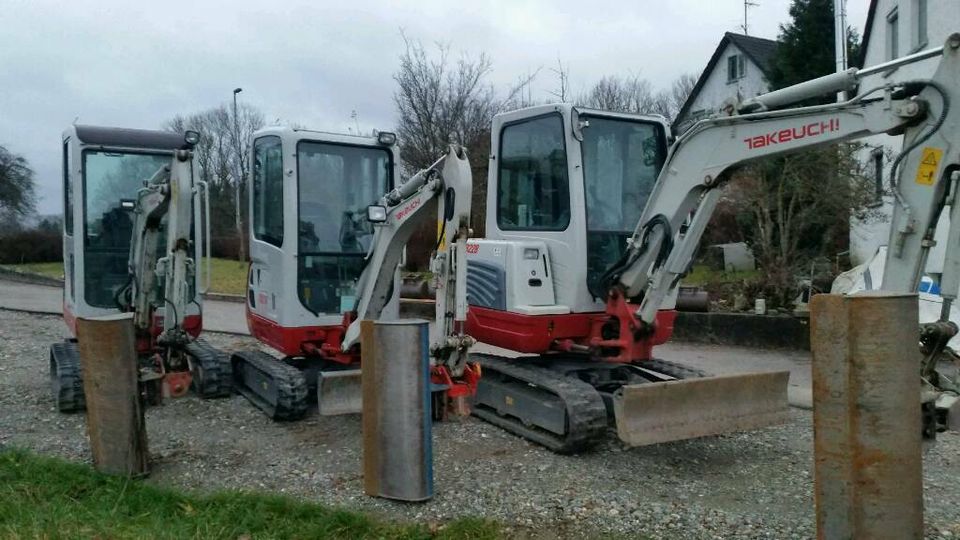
(746, 5)
(356, 121)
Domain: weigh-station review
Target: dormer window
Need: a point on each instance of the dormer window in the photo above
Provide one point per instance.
(736, 67)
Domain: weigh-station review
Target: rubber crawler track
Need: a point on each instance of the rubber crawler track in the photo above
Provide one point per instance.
(211, 370)
(586, 414)
(66, 379)
(289, 401)
(673, 369)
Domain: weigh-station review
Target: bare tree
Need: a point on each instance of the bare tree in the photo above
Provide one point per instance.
(221, 140)
(621, 94)
(792, 211)
(17, 195)
(636, 95)
(563, 80)
(441, 101)
(680, 91)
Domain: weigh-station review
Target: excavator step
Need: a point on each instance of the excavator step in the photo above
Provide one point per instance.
(211, 370)
(681, 409)
(278, 389)
(66, 379)
(564, 414)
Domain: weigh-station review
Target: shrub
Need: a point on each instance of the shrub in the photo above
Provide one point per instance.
(31, 246)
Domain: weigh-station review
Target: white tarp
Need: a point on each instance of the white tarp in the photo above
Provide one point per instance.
(869, 276)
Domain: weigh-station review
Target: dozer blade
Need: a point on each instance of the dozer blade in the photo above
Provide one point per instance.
(338, 392)
(684, 409)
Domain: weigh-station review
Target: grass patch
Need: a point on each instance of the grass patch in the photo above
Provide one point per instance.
(227, 276)
(50, 498)
(49, 269)
(703, 276)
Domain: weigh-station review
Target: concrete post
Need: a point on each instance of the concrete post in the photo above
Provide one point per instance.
(866, 416)
(397, 443)
(115, 423)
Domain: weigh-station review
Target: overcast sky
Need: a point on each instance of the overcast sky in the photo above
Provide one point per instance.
(137, 63)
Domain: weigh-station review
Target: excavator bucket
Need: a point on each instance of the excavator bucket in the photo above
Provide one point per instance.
(338, 392)
(683, 409)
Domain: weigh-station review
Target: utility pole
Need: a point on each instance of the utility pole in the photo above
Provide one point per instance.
(242, 251)
(840, 39)
(747, 4)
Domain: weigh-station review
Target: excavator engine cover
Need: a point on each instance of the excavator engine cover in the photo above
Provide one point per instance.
(659, 412)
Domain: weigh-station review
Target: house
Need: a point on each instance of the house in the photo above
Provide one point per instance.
(897, 28)
(738, 69)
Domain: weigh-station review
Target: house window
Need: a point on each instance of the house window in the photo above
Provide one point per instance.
(736, 67)
(920, 25)
(893, 34)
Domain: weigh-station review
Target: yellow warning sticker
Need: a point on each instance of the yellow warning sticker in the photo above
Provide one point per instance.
(441, 241)
(927, 171)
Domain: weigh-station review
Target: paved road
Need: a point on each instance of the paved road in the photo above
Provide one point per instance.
(220, 316)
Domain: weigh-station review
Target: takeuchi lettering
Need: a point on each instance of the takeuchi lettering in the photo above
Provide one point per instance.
(813, 129)
(404, 212)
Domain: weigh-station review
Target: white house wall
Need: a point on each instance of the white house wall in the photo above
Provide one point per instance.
(943, 18)
(716, 89)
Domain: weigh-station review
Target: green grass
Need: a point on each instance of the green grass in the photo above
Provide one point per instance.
(702, 275)
(51, 269)
(227, 276)
(49, 498)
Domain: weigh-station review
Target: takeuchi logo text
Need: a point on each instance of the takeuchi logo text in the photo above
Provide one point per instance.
(813, 129)
(404, 212)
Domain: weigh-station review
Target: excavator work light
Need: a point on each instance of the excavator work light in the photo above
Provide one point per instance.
(386, 138)
(191, 138)
(376, 214)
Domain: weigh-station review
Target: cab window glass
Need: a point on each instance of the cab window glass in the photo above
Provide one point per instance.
(533, 191)
(268, 191)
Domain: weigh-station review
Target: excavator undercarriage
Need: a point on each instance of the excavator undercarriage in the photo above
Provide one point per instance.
(566, 403)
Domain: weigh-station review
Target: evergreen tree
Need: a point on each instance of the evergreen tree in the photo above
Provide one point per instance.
(805, 48)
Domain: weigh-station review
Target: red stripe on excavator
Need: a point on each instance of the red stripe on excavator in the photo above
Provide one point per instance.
(538, 333)
(69, 319)
(300, 340)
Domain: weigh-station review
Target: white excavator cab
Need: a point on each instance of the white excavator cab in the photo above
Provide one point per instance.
(310, 238)
(104, 169)
(132, 242)
(309, 232)
(566, 190)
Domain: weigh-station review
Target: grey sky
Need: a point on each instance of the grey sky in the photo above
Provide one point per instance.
(136, 64)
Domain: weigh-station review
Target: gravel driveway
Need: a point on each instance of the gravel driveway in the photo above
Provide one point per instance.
(756, 485)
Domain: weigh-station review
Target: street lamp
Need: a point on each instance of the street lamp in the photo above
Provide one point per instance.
(237, 176)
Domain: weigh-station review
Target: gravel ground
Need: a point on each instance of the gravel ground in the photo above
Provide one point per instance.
(756, 485)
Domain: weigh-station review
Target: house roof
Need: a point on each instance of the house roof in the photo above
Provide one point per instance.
(760, 51)
(871, 13)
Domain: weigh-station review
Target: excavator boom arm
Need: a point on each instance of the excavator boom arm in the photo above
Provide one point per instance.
(701, 160)
(447, 186)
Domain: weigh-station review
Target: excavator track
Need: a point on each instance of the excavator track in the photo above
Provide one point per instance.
(673, 369)
(66, 379)
(503, 385)
(211, 370)
(276, 388)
